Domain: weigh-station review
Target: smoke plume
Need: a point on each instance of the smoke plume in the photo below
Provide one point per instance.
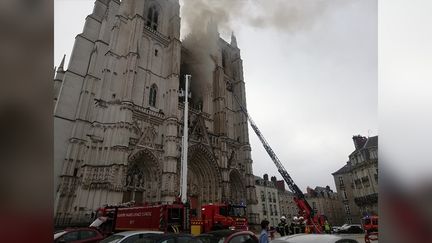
(285, 15)
(203, 18)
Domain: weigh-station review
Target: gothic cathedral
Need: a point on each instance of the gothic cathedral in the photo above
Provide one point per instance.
(118, 115)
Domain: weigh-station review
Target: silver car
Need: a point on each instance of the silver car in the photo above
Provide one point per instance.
(129, 236)
(311, 238)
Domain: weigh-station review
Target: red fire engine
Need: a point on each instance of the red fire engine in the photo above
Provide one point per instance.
(370, 223)
(222, 216)
(170, 218)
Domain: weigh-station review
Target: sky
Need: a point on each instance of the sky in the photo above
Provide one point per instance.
(311, 79)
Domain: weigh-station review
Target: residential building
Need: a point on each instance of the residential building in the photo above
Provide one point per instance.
(288, 207)
(268, 200)
(364, 172)
(357, 180)
(324, 201)
(345, 190)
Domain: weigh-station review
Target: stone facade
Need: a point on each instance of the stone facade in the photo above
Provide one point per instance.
(118, 117)
(324, 201)
(268, 200)
(287, 206)
(364, 172)
(357, 181)
(345, 190)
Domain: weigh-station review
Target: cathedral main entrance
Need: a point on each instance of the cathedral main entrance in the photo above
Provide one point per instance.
(203, 178)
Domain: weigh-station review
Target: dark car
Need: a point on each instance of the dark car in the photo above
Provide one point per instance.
(351, 229)
(78, 235)
(228, 236)
(149, 237)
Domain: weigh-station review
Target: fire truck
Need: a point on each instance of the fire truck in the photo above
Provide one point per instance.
(314, 221)
(174, 217)
(370, 223)
(221, 216)
(167, 218)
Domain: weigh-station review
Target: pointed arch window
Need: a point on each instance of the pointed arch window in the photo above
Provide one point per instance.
(153, 95)
(224, 59)
(153, 18)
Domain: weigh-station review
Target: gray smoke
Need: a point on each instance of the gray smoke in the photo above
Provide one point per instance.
(288, 15)
(285, 15)
(201, 16)
(202, 46)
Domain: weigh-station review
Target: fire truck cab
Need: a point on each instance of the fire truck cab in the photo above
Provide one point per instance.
(370, 223)
(223, 216)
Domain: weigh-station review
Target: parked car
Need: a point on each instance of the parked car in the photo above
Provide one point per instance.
(78, 235)
(312, 238)
(351, 229)
(228, 236)
(149, 237)
(335, 229)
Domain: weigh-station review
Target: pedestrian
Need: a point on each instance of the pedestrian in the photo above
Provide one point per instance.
(264, 237)
(272, 232)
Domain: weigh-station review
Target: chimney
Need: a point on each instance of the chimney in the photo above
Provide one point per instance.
(265, 177)
(280, 185)
(273, 179)
(359, 141)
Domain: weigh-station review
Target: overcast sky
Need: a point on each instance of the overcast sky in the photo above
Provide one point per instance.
(309, 88)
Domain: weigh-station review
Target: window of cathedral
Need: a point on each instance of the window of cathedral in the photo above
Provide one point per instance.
(152, 18)
(153, 95)
(156, 52)
(224, 57)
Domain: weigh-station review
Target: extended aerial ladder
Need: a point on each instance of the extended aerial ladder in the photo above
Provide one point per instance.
(316, 221)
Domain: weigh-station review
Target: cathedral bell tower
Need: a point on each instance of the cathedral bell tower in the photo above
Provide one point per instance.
(116, 109)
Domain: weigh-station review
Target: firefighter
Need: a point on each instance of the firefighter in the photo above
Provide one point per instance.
(291, 228)
(327, 228)
(282, 227)
(302, 224)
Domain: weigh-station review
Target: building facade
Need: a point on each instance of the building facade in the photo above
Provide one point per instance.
(268, 200)
(118, 117)
(287, 206)
(345, 190)
(324, 201)
(357, 181)
(364, 172)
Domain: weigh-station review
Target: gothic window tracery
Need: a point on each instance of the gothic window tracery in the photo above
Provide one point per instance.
(153, 18)
(153, 95)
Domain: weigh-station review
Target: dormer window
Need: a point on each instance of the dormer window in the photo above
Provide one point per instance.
(152, 18)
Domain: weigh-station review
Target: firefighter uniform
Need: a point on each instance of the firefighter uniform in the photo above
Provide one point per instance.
(282, 227)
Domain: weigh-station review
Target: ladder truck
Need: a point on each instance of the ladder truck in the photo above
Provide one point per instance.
(314, 222)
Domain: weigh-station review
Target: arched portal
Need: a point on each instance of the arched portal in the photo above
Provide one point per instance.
(237, 188)
(204, 178)
(142, 179)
